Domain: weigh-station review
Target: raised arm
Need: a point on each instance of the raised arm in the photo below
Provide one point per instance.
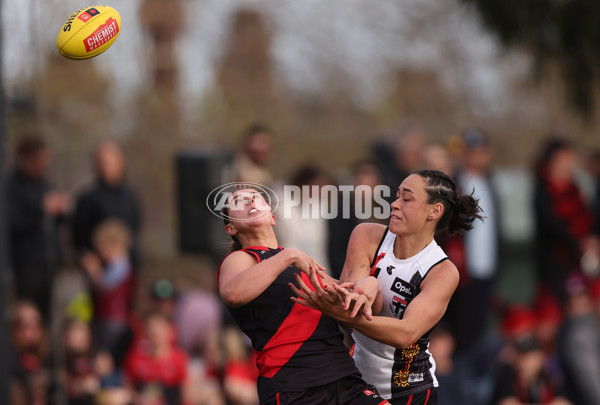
(421, 314)
(361, 250)
(242, 278)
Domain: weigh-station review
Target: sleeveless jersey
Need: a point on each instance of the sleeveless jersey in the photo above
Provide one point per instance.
(297, 347)
(398, 372)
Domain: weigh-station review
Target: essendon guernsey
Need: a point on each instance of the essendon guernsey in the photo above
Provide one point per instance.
(297, 347)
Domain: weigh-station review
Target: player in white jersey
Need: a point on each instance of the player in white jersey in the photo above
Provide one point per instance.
(399, 274)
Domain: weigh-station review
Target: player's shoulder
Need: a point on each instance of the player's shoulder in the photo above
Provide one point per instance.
(444, 273)
(368, 233)
(238, 258)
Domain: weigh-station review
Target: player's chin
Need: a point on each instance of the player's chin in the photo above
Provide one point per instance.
(262, 218)
(397, 226)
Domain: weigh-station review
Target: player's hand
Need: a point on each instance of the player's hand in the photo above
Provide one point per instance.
(305, 263)
(368, 286)
(326, 298)
(321, 297)
(355, 302)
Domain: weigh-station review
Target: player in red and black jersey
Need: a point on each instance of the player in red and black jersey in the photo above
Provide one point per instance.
(301, 357)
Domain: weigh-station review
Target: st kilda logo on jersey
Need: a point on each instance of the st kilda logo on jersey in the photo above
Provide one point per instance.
(406, 292)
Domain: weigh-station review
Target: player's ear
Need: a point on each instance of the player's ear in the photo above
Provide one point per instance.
(436, 212)
(273, 220)
(230, 229)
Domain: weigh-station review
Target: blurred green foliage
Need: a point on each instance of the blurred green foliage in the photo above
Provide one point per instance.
(557, 33)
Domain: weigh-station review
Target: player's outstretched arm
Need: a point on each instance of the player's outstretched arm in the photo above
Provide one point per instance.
(241, 278)
(359, 289)
(422, 314)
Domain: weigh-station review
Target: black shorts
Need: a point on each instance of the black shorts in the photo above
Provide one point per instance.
(427, 397)
(350, 390)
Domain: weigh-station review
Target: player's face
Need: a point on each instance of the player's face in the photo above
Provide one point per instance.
(410, 210)
(249, 205)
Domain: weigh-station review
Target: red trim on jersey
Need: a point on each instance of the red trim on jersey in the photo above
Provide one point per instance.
(242, 250)
(384, 402)
(409, 400)
(374, 267)
(277, 398)
(297, 327)
(427, 399)
(252, 253)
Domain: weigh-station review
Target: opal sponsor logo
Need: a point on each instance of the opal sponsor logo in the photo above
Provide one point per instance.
(403, 288)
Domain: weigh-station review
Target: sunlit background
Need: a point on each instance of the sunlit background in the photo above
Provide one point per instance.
(330, 78)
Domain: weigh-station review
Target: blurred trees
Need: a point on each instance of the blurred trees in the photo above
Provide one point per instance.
(325, 121)
(245, 72)
(556, 33)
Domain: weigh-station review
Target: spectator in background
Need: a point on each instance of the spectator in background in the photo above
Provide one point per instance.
(455, 378)
(201, 337)
(521, 375)
(564, 224)
(396, 162)
(30, 370)
(240, 372)
(595, 290)
(303, 230)
(549, 318)
(436, 157)
(82, 382)
(109, 197)
(250, 163)
(90, 377)
(34, 212)
(593, 168)
(591, 261)
(163, 300)
(479, 263)
(195, 332)
(111, 275)
(365, 173)
(157, 371)
(526, 381)
(579, 344)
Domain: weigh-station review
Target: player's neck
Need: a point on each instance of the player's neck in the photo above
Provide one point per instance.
(407, 246)
(267, 239)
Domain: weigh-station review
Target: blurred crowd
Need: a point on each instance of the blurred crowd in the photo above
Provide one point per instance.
(180, 347)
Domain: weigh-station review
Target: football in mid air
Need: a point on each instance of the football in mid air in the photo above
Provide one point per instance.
(88, 32)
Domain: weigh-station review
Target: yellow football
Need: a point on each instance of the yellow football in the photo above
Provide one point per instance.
(88, 32)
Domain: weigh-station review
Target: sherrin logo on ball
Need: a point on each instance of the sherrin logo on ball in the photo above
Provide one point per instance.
(88, 32)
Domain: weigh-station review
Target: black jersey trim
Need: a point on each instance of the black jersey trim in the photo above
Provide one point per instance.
(258, 247)
(374, 261)
(432, 266)
(376, 273)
